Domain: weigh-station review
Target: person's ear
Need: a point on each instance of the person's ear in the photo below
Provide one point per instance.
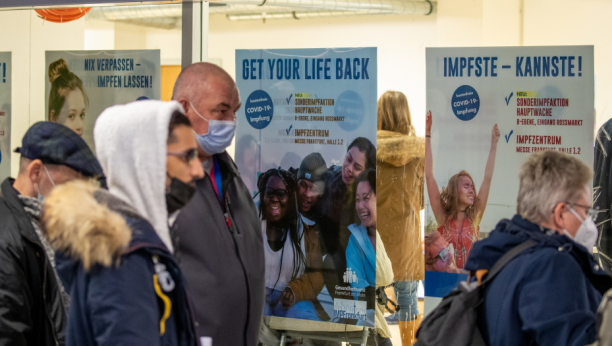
(185, 103)
(52, 116)
(35, 171)
(559, 215)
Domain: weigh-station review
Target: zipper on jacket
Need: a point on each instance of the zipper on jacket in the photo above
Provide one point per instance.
(244, 272)
(45, 296)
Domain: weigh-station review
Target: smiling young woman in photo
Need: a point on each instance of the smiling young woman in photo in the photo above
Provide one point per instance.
(67, 98)
(366, 257)
(459, 207)
(293, 257)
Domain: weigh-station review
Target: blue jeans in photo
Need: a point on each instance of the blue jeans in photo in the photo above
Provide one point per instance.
(406, 294)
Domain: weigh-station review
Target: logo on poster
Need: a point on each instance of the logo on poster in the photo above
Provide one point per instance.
(350, 277)
(465, 103)
(259, 109)
(348, 308)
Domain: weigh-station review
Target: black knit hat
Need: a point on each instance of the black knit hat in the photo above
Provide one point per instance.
(313, 168)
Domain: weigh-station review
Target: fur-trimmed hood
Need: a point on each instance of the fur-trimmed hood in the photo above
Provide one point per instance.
(398, 149)
(86, 223)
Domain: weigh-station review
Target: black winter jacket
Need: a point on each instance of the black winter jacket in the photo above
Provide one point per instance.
(220, 252)
(31, 308)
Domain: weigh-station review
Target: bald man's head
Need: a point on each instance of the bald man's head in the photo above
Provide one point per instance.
(206, 92)
(193, 81)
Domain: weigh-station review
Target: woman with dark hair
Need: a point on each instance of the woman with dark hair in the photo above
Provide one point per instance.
(293, 256)
(338, 212)
(368, 265)
(339, 197)
(458, 208)
(67, 98)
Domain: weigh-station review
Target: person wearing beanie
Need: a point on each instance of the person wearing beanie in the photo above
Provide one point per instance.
(311, 177)
(311, 183)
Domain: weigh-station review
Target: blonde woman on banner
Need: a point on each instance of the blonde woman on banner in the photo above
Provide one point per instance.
(459, 207)
(400, 161)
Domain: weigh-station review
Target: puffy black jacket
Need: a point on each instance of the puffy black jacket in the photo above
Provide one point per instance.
(31, 308)
(220, 252)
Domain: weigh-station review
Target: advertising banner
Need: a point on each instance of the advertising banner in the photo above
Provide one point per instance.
(5, 115)
(307, 129)
(79, 85)
(490, 109)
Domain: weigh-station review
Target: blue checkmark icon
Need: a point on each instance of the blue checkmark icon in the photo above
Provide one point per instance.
(508, 136)
(289, 99)
(289, 129)
(508, 98)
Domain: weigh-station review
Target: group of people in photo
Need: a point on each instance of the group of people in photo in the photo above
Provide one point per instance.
(155, 239)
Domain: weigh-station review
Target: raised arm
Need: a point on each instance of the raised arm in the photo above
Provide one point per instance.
(432, 187)
(483, 193)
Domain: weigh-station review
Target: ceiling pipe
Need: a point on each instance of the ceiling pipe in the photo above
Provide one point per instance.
(157, 22)
(298, 15)
(248, 7)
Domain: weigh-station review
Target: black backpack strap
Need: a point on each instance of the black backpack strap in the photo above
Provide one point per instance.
(507, 257)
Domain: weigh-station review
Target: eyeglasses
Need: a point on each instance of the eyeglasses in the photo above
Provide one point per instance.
(279, 193)
(187, 156)
(447, 252)
(592, 213)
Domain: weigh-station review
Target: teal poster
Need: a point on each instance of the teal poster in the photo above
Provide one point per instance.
(306, 130)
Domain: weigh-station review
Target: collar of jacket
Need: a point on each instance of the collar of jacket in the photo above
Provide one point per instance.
(398, 149)
(95, 227)
(227, 163)
(511, 233)
(11, 196)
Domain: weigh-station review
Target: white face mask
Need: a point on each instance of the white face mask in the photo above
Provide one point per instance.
(219, 136)
(40, 197)
(586, 235)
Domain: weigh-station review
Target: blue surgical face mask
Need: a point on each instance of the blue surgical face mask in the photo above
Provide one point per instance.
(219, 137)
(40, 197)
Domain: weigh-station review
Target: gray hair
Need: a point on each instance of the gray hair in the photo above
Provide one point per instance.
(548, 178)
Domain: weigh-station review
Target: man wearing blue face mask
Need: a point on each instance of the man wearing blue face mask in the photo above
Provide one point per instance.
(32, 299)
(217, 234)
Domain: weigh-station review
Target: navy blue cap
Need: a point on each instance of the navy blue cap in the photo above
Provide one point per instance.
(56, 144)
